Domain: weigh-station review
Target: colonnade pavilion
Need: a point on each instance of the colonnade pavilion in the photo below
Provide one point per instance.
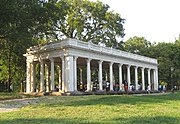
(70, 63)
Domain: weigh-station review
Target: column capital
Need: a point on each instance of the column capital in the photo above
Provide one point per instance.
(111, 63)
(88, 60)
(128, 66)
(136, 67)
(62, 58)
(41, 60)
(31, 61)
(28, 61)
(100, 61)
(51, 59)
(75, 58)
(120, 65)
(149, 69)
(142, 68)
(154, 69)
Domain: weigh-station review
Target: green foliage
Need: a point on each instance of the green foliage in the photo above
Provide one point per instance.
(136, 44)
(25, 23)
(21, 25)
(167, 54)
(163, 83)
(87, 21)
(21, 19)
(149, 109)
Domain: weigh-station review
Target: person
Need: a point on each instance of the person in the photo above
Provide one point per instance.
(148, 89)
(172, 90)
(133, 87)
(81, 86)
(107, 86)
(122, 87)
(139, 87)
(164, 88)
(130, 87)
(159, 87)
(125, 85)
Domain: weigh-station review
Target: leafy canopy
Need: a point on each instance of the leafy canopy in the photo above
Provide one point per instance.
(87, 21)
(136, 44)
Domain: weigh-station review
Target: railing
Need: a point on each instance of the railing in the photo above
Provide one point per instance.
(92, 47)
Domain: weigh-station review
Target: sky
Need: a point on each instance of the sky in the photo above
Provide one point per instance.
(156, 20)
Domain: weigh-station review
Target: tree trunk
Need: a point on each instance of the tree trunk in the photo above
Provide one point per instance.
(9, 69)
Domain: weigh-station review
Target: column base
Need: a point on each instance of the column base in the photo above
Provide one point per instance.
(88, 91)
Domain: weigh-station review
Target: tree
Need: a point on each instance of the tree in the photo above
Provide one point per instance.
(136, 44)
(87, 21)
(22, 23)
(168, 56)
(25, 23)
(177, 41)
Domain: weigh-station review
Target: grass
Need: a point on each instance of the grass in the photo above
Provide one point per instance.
(5, 95)
(160, 109)
(12, 95)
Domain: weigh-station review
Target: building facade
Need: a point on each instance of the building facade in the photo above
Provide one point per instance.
(68, 58)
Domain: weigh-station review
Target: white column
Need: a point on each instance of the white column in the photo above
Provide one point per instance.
(88, 75)
(63, 73)
(28, 76)
(125, 76)
(136, 78)
(75, 73)
(41, 76)
(100, 75)
(52, 74)
(149, 77)
(120, 76)
(80, 75)
(143, 83)
(69, 78)
(157, 82)
(128, 76)
(111, 75)
(33, 76)
(106, 75)
(47, 77)
(59, 73)
(152, 80)
(156, 79)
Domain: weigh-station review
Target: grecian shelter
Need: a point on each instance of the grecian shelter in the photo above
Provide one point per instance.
(72, 65)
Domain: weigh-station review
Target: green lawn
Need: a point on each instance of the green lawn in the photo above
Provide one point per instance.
(5, 95)
(160, 109)
(12, 95)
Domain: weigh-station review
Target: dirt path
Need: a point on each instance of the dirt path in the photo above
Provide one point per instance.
(15, 104)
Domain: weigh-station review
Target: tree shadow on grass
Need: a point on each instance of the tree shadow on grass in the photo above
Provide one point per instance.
(119, 120)
(115, 99)
(148, 120)
(45, 121)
